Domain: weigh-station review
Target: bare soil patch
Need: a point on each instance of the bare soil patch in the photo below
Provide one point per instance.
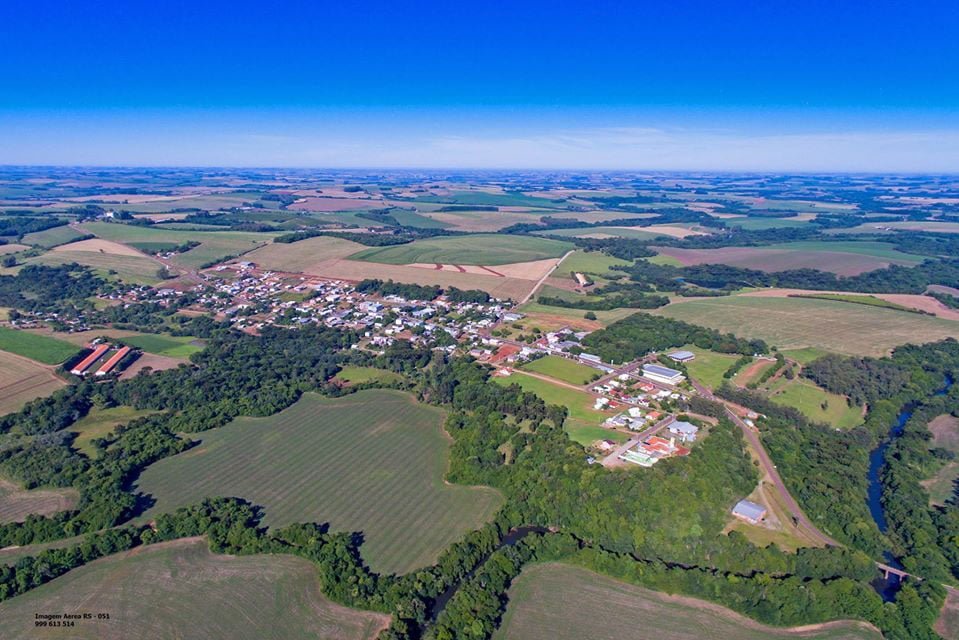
(154, 362)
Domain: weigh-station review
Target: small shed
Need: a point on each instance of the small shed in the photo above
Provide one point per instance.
(749, 511)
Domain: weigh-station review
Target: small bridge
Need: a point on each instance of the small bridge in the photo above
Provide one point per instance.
(892, 571)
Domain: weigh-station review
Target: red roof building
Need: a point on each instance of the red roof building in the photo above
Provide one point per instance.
(113, 361)
(89, 360)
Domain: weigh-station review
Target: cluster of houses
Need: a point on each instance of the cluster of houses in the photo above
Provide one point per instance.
(652, 450)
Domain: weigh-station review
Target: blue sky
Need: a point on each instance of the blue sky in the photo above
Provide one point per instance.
(668, 85)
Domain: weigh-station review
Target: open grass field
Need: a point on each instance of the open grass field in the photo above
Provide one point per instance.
(560, 601)
(298, 257)
(947, 625)
(794, 323)
(604, 318)
(22, 380)
(479, 249)
(945, 434)
(372, 462)
(815, 402)
(163, 345)
(488, 198)
(133, 269)
(12, 248)
(414, 219)
(583, 423)
(913, 225)
(755, 223)
(16, 504)
(563, 369)
(709, 366)
(214, 245)
(52, 237)
(41, 348)
(844, 258)
(591, 262)
(358, 375)
(636, 233)
(99, 423)
(180, 589)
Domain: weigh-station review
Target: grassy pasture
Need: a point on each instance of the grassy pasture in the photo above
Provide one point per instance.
(22, 380)
(486, 198)
(815, 402)
(796, 323)
(479, 249)
(372, 462)
(590, 262)
(171, 346)
(99, 423)
(296, 257)
(36, 347)
(560, 601)
(358, 375)
(709, 366)
(214, 245)
(413, 219)
(131, 269)
(755, 223)
(562, 369)
(945, 434)
(637, 233)
(583, 422)
(16, 504)
(603, 317)
(180, 589)
(52, 237)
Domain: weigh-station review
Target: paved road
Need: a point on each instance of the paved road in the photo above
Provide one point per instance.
(539, 283)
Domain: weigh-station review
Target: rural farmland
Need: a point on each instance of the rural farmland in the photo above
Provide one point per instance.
(371, 462)
(22, 380)
(477, 249)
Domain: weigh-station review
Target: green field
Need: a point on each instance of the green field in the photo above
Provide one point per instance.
(591, 262)
(483, 249)
(709, 366)
(815, 402)
(36, 347)
(52, 237)
(636, 233)
(485, 198)
(562, 369)
(794, 323)
(298, 256)
(129, 269)
(413, 219)
(583, 422)
(358, 375)
(99, 423)
(755, 223)
(372, 462)
(556, 601)
(604, 317)
(871, 301)
(180, 589)
(163, 345)
(214, 245)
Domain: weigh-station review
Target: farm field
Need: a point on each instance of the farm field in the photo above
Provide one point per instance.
(945, 434)
(815, 402)
(22, 380)
(843, 258)
(583, 422)
(481, 221)
(604, 318)
(913, 225)
(372, 462)
(755, 223)
(352, 374)
(561, 601)
(794, 323)
(591, 262)
(180, 589)
(16, 503)
(709, 366)
(487, 198)
(562, 369)
(636, 233)
(164, 345)
(479, 249)
(299, 256)
(12, 248)
(214, 245)
(99, 423)
(130, 269)
(43, 349)
(52, 237)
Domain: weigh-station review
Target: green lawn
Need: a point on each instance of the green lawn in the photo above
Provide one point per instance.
(180, 589)
(583, 423)
(99, 423)
(164, 345)
(809, 398)
(557, 601)
(372, 462)
(478, 249)
(563, 369)
(36, 347)
(709, 366)
(357, 375)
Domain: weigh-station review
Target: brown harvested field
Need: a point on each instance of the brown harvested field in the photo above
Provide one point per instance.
(947, 625)
(561, 601)
(180, 589)
(671, 230)
(16, 503)
(845, 264)
(912, 301)
(533, 270)
(945, 434)
(12, 248)
(297, 257)
(22, 380)
(333, 204)
(356, 270)
(481, 221)
(97, 245)
(154, 362)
